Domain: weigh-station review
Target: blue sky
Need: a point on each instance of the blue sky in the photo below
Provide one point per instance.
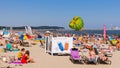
(95, 13)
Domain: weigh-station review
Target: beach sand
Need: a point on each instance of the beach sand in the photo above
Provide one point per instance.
(44, 60)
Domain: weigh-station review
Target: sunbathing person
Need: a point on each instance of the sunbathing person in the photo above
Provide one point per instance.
(102, 56)
(26, 58)
(9, 46)
(15, 46)
(92, 56)
(118, 45)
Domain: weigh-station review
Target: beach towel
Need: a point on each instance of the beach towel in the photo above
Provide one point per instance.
(16, 62)
(25, 37)
(60, 45)
(15, 50)
(28, 36)
(9, 46)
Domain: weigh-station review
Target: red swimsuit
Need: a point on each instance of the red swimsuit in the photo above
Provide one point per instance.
(24, 59)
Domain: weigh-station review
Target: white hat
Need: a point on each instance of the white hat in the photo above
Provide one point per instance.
(47, 32)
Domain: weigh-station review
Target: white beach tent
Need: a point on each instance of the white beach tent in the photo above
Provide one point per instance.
(58, 45)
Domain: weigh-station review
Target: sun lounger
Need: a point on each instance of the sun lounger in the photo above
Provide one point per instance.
(74, 55)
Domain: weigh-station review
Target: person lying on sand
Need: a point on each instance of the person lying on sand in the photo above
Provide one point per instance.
(92, 56)
(9, 46)
(15, 46)
(102, 56)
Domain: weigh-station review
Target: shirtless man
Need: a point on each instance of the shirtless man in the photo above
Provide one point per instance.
(92, 56)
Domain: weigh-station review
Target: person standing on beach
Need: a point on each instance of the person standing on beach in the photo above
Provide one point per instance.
(40, 37)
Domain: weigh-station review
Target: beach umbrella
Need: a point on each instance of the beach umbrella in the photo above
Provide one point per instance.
(76, 23)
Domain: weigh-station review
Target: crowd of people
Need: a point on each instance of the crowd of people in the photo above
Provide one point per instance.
(24, 56)
(95, 44)
(11, 44)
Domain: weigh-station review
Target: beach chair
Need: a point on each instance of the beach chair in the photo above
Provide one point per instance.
(108, 53)
(74, 55)
(91, 60)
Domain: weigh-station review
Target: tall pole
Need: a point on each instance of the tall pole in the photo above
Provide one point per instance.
(104, 31)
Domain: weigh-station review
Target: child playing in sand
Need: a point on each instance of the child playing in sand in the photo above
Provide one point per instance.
(26, 58)
(20, 53)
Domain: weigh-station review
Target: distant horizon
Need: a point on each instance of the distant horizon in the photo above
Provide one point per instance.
(60, 27)
(63, 27)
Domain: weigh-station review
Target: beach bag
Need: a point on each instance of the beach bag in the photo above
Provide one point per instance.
(66, 46)
(60, 45)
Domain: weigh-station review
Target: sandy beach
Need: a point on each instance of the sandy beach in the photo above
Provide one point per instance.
(44, 60)
(57, 33)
